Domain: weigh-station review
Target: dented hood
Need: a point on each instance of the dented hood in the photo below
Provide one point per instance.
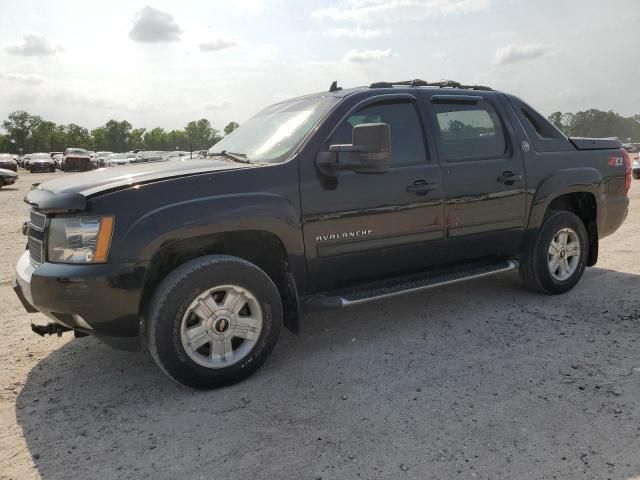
(69, 192)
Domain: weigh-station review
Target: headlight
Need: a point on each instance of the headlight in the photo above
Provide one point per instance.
(79, 239)
(636, 163)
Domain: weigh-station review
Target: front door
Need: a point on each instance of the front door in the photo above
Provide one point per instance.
(360, 227)
(483, 176)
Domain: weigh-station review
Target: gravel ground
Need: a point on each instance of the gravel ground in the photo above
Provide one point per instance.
(477, 380)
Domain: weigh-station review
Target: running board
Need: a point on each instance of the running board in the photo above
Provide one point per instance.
(348, 299)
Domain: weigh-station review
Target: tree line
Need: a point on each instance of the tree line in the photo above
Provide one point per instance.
(598, 124)
(34, 134)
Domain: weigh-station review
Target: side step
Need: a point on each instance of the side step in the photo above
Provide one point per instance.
(406, 285)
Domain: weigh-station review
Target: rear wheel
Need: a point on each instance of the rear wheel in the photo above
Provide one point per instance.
(636, 176)
(558, 256)
(214, 321)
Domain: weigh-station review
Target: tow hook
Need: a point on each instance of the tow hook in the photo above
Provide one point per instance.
(49, 329)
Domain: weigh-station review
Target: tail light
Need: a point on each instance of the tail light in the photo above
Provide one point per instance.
(627, 171)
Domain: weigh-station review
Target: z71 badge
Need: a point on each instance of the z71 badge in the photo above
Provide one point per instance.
(343, 235)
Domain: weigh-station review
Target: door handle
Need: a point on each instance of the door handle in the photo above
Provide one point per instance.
(509, 177)
(421, 187)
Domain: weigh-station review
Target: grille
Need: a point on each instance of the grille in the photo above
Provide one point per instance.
(38, 220)
(35, 243)
(35, 250)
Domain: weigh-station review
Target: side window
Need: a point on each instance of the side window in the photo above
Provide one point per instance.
(470, 131)
(407, 140)
(543, 128)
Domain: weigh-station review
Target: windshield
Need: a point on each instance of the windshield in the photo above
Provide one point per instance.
(40, 156)
(79, 150)
(272, 134)
(118, 155)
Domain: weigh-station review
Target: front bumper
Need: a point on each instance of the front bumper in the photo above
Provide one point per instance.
(100, 300)
(41, 167)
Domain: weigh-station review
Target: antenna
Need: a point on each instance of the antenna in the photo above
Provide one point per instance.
(334, 87)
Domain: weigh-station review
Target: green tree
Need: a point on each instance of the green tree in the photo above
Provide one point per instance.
(231, 126)
(556, 119)
(43, 136)
(118, 134)
(155, 139)
(20, 126)
(77, 136)
(136, 138)
(201, 135)
(99, 139)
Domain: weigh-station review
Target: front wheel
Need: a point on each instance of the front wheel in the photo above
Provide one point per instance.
(214, 321)
(558, 256)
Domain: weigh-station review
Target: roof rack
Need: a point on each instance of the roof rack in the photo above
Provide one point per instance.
(423, 83)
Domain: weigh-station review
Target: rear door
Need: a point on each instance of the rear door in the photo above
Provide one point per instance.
(360, 227)
(483, 175)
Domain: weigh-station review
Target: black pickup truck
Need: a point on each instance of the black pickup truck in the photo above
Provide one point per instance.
(324, 201)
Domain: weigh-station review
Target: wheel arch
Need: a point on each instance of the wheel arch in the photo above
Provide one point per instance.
(578, 191)
(262, 248)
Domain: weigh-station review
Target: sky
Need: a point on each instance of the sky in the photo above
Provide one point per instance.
(162, 63)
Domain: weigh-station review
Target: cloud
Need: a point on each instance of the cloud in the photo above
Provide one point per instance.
(215, 107)
(368, 11)
(27, 79)
(33, 46)
(516, 53)
(217, 44)
(356, 32)
(367, 56)
(154, 26)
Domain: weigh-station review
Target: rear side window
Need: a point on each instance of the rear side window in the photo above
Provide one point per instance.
(407, 140)
(542, 133)
(543, 129)
(470, 131)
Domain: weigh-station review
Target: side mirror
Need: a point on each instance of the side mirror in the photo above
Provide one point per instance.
(369, 152)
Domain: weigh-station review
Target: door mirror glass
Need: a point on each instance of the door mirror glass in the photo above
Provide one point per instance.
(369, 151)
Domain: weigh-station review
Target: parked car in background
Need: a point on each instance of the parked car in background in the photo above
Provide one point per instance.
(25, 161)
(101, 157)
(53, 154)
(116, 159)
(636, 168)
(7, 177)
(57, 160)
(7, 162)
(150, 156)
(77, 159)
(180, 155)
(41, 162)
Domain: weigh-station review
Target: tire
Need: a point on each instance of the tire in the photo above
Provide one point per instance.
(636, 176)
(172, 309)
(536, 267)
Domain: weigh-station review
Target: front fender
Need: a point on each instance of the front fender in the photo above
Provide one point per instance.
(216, 214)
(570, 180)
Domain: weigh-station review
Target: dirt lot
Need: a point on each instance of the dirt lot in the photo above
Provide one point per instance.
(478, 380)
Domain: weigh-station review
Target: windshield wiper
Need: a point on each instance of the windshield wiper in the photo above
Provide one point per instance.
(236, 157)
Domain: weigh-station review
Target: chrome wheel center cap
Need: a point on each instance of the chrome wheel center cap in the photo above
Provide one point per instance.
(221, 325)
